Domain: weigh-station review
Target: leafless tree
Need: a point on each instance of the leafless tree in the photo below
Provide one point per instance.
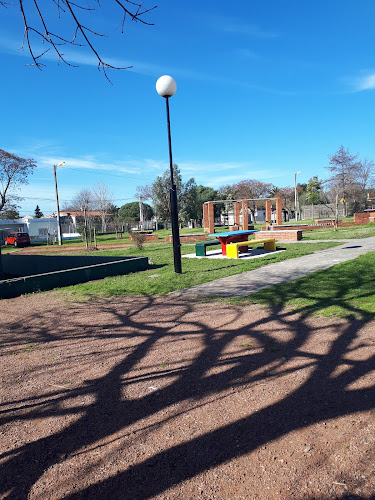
(83, 198)
(366, 173)
(287, 195)
(103, 201)
(41, 16)
(249, 189)
(14, 172)
(344, 168)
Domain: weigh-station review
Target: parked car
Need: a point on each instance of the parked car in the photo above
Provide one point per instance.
(18, 239)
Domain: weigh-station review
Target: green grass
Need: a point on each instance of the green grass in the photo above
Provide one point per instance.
(345, 290)
(341, 233)
(312, 221)
(160, 279)
(110, 239)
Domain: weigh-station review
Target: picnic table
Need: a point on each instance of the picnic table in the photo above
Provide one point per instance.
(232, 236)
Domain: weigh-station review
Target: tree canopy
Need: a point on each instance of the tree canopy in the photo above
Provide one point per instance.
(190, 196)
(130, 211)
(10, 213)
(14, 172)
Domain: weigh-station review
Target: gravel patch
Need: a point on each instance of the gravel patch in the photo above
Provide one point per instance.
(172, 398)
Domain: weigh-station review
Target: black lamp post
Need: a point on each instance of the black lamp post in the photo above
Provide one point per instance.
(166, 87)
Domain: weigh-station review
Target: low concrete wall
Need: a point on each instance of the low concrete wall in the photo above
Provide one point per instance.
(62, 271)
(287, 235)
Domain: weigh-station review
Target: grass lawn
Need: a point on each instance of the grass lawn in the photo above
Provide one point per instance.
(344, 290)
(341, 233)
(161, 279)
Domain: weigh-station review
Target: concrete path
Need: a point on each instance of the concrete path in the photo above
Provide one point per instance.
(249, 282)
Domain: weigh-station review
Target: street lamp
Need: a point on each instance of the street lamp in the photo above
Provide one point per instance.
(57, 202)
(295, 194)
(166, 87)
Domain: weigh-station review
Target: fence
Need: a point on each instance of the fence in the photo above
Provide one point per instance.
(327, 211)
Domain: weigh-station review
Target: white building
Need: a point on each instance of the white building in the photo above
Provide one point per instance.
(42, 229)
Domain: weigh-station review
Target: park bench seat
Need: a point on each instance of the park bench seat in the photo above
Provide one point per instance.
(200, 248)
(232, 249)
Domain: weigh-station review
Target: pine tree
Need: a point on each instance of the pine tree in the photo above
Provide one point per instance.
(38, 212)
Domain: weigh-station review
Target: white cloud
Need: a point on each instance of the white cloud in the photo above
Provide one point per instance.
(366, 83)
(233, 25)
(361, 83)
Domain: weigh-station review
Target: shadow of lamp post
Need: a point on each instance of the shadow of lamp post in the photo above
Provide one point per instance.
(57, 202)
(166, 87)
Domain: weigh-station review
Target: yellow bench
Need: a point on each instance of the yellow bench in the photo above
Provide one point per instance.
(232, 248)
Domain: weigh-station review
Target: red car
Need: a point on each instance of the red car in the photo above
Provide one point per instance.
(18, 239)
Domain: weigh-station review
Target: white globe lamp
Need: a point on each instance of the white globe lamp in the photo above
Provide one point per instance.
(166, 86)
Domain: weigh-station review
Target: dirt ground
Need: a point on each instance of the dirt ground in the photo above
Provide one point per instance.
(168, 398)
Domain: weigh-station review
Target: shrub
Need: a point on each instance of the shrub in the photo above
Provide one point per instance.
(138, 239)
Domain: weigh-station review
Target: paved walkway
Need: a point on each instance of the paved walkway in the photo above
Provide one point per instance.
(249, 282)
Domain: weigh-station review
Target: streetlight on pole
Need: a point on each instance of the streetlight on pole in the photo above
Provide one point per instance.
(57, 202)
(166, 87)
(295, 194)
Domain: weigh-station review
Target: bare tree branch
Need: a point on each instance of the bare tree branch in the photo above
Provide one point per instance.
(66, 14)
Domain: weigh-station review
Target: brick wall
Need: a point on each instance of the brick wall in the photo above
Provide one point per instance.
(301, 227)
(279, 211)
(236, 207)
(268, 211)
(184, 238)
(245, 215)
(211, 219)
(361, 218)
(205, 216)
(147, 237)
(289, 235)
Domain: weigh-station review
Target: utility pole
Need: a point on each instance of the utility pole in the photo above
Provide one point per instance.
(141, 217)
(57, 203)
(85, 224)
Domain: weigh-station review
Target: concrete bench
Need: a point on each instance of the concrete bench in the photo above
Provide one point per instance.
(232, 248)
(200, 248)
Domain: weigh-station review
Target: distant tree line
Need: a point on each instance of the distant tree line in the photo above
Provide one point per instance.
(349, 183)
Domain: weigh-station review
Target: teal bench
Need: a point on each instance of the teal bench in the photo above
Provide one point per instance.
(200, 248)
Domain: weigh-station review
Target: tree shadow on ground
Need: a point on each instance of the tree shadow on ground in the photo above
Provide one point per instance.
(272, 345)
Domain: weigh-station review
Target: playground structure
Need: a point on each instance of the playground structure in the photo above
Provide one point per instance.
(241, 207)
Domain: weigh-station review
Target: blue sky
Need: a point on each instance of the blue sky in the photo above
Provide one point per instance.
(265, 88)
